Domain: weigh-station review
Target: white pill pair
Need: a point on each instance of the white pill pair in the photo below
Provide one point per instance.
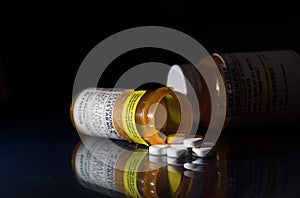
(165, 159)
(169, 150)
(195, 144)
(177, 150)
(194, 167)
(197, 165)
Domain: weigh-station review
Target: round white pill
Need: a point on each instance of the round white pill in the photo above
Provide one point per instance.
(199, 160)
(192, 142)
(202, 152)
(177, 152)
(177, 145)
(158, 149)
(193, 167)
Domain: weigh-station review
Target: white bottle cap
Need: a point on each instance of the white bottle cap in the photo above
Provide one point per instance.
(177, 80)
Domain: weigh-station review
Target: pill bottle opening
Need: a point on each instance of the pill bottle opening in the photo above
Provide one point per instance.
(167, 115)
(187, 80)
(165, 112)
(158, 114)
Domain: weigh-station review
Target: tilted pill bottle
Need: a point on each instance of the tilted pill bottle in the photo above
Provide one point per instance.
(142, 116)
(261, 87)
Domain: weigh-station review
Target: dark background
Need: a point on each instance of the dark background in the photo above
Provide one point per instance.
(41, 49)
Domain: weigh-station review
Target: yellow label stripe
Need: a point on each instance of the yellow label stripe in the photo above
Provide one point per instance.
(128, 117)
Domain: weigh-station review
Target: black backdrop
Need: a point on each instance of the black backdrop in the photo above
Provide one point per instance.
(41, 49)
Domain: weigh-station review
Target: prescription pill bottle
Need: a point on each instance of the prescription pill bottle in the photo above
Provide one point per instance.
(141, 116)
(261, 87)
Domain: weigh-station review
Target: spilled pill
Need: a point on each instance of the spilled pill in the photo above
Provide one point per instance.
(202, 152)
(177, 145)
(158, 149)
(192, 142)
(199, 160)
(177, 152)
(193, 167)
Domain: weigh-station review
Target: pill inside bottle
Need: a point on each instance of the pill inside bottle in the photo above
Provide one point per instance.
(141, 116)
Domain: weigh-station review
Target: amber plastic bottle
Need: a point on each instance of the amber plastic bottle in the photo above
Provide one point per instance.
(141, 116)
(261, 87)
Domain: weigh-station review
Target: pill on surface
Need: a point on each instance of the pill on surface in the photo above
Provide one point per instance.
(176, 152)
(175, 139)
(158, 149)
(177, 145)
(199, 160)
(193, 167)
(202, 151)
(192, 142)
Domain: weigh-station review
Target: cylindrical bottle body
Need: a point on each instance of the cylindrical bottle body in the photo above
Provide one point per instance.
(261, 88)
(141, 116)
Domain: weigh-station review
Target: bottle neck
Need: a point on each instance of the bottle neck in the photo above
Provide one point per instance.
(158, 113)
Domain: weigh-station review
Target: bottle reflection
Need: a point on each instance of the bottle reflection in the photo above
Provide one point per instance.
(237, 169)
(117, 168)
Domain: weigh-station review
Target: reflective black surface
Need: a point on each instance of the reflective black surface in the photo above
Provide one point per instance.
(36, 156)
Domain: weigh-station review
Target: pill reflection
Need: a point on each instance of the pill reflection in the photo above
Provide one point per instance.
(237, 168)
(119, 169)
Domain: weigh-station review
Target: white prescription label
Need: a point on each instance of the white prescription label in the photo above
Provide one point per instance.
(93, 112)
(262, 87)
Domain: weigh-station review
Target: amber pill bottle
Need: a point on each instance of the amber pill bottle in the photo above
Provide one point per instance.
(141, 116)
(261, 87)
